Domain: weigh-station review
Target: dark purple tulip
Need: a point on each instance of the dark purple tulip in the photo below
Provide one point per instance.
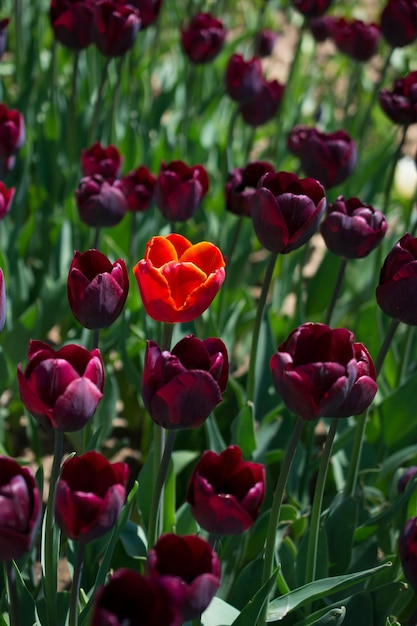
(400, 104)
(241, 184)
(192, 562)
(182, 387)
(115, 27)
(3, 301)
(329, 157)
(148, 11)
(129, 598)
(99, 160)
(264, 42)
(89, 496)
(3, 34)
(12, 131)
(20, 509)
(61, 388)
(97, 289)
(321, 28)
(356, 39)
(407, 548)
(138, 188)
(312, 8)
(203, 38)
(225, 492)
(319, 371)
(100, 202)
(399, 22)
(244, 79)
(6, 198)
(352, 229)
(264, 105)
(179, 190)
(406, 477)
(72, 22)
(396, 293)
(286, 210)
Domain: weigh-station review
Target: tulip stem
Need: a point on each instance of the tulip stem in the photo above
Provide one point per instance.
(76, 583)
(365, 120)
(313, 534)
(158, 488)
(336, 290)
(98, 102)
(10, 575)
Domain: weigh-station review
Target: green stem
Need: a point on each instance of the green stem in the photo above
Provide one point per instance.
(336, 290)
(76, 583)
(313, 536)
(71, 134)
(228, 257)
(158, 488)
(96, 240)
(390, 179)
(354, 82)
(115, 98)
(98, 103)
(10, 575)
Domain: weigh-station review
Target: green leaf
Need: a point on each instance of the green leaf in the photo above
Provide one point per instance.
(254, 607)
(403, 428)
(334, 617)
(133, 540)
(340, 528)
(219, 613)
(26, 609)
(243, 433)
(216, 442)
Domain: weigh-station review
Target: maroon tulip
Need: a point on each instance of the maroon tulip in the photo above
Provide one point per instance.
(408, 551)
(61, 388)
(99, 160)
(400, 104)
(312, 8)
(241, 184)
(329, 157)
(203, 38)
(12, 131)
(396, 293)
(321, 28)
(3, 34)
(148, 11)
(225, 492)
(264, 42)
(138, 188)
(6, 197)
(264, 105)
(244, 79)
(406, 477)
(129, 598)
(193, 564)
(72, 22)
(100, 202)
(356, 39)
(89, 496)
(20, 509)
(352, 229)
(179, 190)
(2, 301)
(286, 210)
(97, 289)
(319, 371)
(115, 27)
(182, 387)
(399, 22)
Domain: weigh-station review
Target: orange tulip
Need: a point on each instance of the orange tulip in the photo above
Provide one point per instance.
(178, 280)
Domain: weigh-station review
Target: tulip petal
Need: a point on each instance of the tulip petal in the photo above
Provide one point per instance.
(76, 406)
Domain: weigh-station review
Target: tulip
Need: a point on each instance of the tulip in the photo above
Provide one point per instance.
(193, 564)
(264, 42)
(6, 197)
(321, 28)
(115, 27)
(148, 11)
(138, 188)
(244, 79)
(203, 38)
(97, 289)
(352, 229)
(104, 161)
(356, 39)
(62, 388)
(264, 105)
(179, 190)
(396, 293)
(129, 598)
(406, 477)
(329, 157)
(182, 387)
(72, 22)
(225, 492)
(399, 22)
(3, 34)
(407, 549)
(241, 184)
(400, 104)
(312, 8)
(20, 509)
(2, 301)
(286, 210)
(89, 496)
(100, 202)
(12, 131)
(178, 280)
(319, 371)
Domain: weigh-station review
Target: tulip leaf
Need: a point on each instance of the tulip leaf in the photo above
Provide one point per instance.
(26, 608)
(334, 617)
(243, 433)
(219, 613)
(340, 527)
(253, 610)
(216, 442)
(403, 429)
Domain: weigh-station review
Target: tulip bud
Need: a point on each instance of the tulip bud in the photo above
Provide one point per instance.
(148, 11)
(264, 42)
(406, 477)
(106, 162)
(312, 8)
(241, 184)
(264, 105)
(138, 188)
(100, 203)
(12, 131)
(115, 27)
(6, 197)
(399, 22)
(400, 104)
(72, 22)
(244, 79)
(3, 34)
(179, 190)
(203, 38)
(356, 39)
(408, 551)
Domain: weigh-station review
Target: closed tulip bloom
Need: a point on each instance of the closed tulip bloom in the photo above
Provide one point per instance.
(12, 131)
(89, 496)
(179, 190)
(264, 42)
(182, 387)
(193, 564)
(406, 477)
(6, 197)
(178, 280)
(99, 160)
(286, 210)
(321, 28)
(203, 38)
(352, 229)
(138, 188)
(400, 103)
(399, 22)
(130, 598)
(72, 22)
(312, 8)
(241, 184)
(225, 492)
(148, 11)
(61, 388)
(396, 293)
(244, 79)
(356, 39)
(2, 301)
(264, 105)
(320, 371)
(407, 549)
(3, 34)
(329, 157)
(97, 289)
(20, 509)
(100, 202)
(115, 27)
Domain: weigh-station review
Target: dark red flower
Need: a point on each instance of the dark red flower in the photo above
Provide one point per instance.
(244, 79)
(264, 105)
(329, 157)
(182, 387)
(225, 492)
(399, 22)
(100, 202)
(406, 477)
(286, 210)
(3, 34)
(61, 388)
(99, 160)
(203, 38)
(12, 131)
(115, 27)
(400, 104)
(6, 197)
(148, 11)
(312, 8)
(321, 28)
(138, 188)
(352, 229)
(241, 184)
(264, 42)
(408, 551)
(319, 371)
(179, 190)
(194, 565)
(354, 38)
(72, 22)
